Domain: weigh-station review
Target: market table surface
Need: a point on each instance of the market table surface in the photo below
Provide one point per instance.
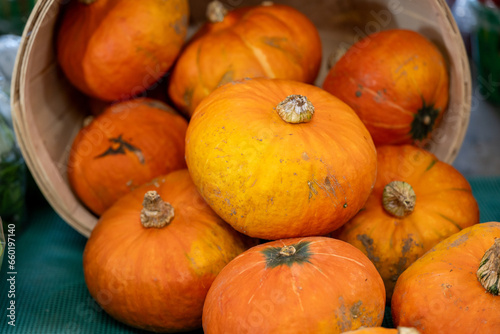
(48, 287)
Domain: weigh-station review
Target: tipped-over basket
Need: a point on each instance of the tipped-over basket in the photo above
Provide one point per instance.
(48, 111)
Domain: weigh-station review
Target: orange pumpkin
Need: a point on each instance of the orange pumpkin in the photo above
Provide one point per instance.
(116, 49)
(453, 288)
(128, 144)
(397, 82)
(153, 255)
(279, 158)
(416, 202)
(382, 330)
(300, 285)
(268, 40)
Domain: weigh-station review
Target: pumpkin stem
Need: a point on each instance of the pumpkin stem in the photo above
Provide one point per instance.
(267, 3)
(216, 12)
(489, 269)
(398, 198)
(407, 330)
(423, 121)
(155, 212)
(295, 109)
(287, 250)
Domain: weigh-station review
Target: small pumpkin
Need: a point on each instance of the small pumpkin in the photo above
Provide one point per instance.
(453, 288)
(299, 285)
(280, 158)
(417, 201)
(116, 49)
(268, 40)
(397, 82)
(382, 330)
(126, 145)
(153, 255)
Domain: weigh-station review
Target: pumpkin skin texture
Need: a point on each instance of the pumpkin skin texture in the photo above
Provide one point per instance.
(116, 49)
(157, 278)
(298, 285)
(440, 292)
(128, 144)
(397, 82)
(444, 205)
(274, 41)
(272, 179)
(382, 330)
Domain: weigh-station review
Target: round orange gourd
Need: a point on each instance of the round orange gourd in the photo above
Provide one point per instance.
(268, 40)
(116, 49)
(153, 255)
(382, 330)
(299, 285)
(128, 144)
(416, 202)
(396, 81)
(279, 159)
(453, 288)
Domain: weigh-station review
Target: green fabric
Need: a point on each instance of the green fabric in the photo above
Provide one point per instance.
(51, 296)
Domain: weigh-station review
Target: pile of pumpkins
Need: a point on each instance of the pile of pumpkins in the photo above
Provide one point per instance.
(245, 199)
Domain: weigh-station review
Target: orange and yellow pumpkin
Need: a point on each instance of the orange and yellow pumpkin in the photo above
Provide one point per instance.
(417, 201)
(279, 158)
(268, 40)
(126, 145)
(453, 288)
(300, 285)
(153, 255)
(116, 49)
(397, 82)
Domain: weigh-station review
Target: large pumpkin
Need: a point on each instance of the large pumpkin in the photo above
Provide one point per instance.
(128, 144)
(268, 40)
(416, 202)
(300, 285)
(453, 288)
(397, 82)
(153, 255)
(116, 49)
(278, 158)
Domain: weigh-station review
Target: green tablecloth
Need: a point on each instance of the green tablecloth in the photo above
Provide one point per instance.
(50, 292)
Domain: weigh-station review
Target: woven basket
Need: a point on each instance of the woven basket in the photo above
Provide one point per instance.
(48, 111)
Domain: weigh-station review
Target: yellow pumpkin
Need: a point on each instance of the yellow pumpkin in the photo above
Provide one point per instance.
(279, 158)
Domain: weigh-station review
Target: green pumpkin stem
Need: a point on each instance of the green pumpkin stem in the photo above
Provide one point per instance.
(216, 12)
(489, 269)
(295, 109)
(398, 199)
(287, 255)
(155, 212)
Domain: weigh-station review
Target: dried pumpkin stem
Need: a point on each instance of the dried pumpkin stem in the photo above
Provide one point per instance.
(407, 330)
(155, 212)
(489, 269)
(398, 198)
(287, 251)
(295, 109)
(216, 12)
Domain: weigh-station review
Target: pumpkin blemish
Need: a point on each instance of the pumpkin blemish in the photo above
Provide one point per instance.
(368, 245)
